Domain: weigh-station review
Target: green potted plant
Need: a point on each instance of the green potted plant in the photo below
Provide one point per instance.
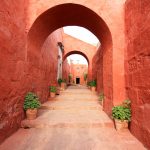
(101, 98)
(59, 81)
(53, 90)
(93, 85)
(70, 77)
(88, 84)
(31, 104)
(127, 103)
(58, 88)
(122, 115)
(63, 84)
(85, 77)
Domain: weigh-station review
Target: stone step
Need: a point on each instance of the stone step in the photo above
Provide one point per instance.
(36, 124)
(70, 108)
(71, 104)
(69, 118)
(77, 92)
(75, 98)
(69, 99)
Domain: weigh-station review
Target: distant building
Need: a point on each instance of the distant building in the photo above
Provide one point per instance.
(78, 71)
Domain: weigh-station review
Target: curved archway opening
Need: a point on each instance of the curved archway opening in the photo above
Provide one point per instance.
(76, 15)
(52, 19)
(76, 52)
(78, 63)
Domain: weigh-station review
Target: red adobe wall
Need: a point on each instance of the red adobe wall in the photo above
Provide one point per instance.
(76, 46)
(19, 75)
(102, 72)
(66, 70)
(43, 65)
(12, 65)
(137, 18)
(97, 69)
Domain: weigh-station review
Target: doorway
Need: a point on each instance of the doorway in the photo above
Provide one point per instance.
(77, 80)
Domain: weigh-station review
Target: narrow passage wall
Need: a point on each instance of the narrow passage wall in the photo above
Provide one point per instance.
(137, 18)
(97, 69)
(17, 74)
(12, 65)
(43, 65)
(66, 70)
(102, 72)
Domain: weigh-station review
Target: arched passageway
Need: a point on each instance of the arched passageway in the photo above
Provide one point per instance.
(78, 67)
(53, 19)
(78, 46)
(76, 52)
(22, 71)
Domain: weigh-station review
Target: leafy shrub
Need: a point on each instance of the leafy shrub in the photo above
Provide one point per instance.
(88, 83)
(59, 81)
(70, 76)
(93, 83)
(53, 89)
(121, 113)
(64, 80)
(85, 76)
(127, 103)
(101, 96)
(31, 101)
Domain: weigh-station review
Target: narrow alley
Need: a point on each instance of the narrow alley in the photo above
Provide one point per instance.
(73, 120)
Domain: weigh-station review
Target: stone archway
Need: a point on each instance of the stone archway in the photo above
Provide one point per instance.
(87, 69)
(76, 52)
(88, 59)
(53, 19)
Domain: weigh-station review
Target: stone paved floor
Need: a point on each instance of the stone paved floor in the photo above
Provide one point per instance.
(72, 121)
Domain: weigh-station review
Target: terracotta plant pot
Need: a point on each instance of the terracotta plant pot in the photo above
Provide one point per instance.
(52, 94)
(58, 91)
(93, 88)
(31, 113)
(101, 103)
(121, 125)
(63, 85)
